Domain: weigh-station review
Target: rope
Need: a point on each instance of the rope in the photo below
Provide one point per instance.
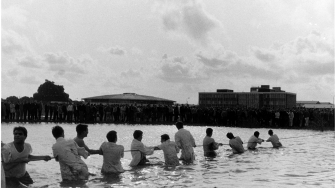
(28, 161)
(265, 141)
(131, 150)
(209, 144)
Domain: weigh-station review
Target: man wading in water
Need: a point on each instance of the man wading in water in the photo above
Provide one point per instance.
(209, 144)
(82, 132)
(67, 153)
(235, 143)
(185, 142)
(253, 140)
(15, 155)
(274, 139)
(139, 150)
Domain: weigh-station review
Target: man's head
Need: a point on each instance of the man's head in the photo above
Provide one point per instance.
(111, 136)
(209, 132)
(138, 135)
(179, 125)
(270, 132)
(82, 130)
(57, 131)
(20, 134)
(165, 137)
(256, 133)
(230, 135)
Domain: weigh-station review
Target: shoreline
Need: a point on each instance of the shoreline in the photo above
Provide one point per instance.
(313, 125)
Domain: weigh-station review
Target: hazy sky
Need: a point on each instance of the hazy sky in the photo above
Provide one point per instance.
(168, 49)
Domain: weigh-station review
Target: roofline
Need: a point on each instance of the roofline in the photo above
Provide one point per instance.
(246, 92)
(165, 100)
(156, 98)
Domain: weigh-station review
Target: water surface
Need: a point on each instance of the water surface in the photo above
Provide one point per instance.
(306, 160)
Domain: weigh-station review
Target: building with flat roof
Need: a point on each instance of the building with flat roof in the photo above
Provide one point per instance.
(128, 98)
(258, 97)
(314, 104)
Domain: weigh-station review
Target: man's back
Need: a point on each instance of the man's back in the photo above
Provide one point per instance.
(274, 141)
(209, 146)
(66, 150)
(112, 154)
(252, 142)
(170, 150)
(184, 138)
(236, 145)
(185, 141)
(72, 167)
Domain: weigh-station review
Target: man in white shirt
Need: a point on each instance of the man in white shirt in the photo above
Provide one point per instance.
(112, 154)
(185, 142)
(253, 140)
(274, 139)
(138, 150)
(170, 150)
(67, 152)
(15, 155)
(235, 143)
(69, 111)
(291, 116)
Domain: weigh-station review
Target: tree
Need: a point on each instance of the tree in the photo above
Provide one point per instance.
(25, 98)
(51, 92)
(12, 99)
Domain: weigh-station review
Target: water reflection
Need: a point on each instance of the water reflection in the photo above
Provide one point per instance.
(73, 184)
(109, 179)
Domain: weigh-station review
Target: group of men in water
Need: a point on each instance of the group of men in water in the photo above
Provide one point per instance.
(68, 153)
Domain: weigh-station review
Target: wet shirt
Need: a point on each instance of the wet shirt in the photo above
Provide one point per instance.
(236, 145)
(252, 142)
(274, 141)
(71, 166)
(112, 154)
(9, 153)
(209, 145)
(138, 155)
(185, 142)
(170, 150)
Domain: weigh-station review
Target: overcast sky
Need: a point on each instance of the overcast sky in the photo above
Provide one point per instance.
(168, 49)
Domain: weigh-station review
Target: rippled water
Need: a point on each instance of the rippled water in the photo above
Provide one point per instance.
(306, 160)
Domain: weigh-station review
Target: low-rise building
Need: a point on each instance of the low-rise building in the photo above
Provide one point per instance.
(314, 104)
(258, 97)
(128, 98)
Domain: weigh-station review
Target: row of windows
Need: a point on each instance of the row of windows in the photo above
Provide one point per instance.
(243, 102)
(240, 102)
(275, 100)
(206, 96)
(212, 104)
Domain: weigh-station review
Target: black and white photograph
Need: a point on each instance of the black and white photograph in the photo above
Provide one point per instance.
(167, 93)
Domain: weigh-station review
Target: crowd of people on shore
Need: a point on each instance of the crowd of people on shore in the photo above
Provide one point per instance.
(152, 114)
(69, 152)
